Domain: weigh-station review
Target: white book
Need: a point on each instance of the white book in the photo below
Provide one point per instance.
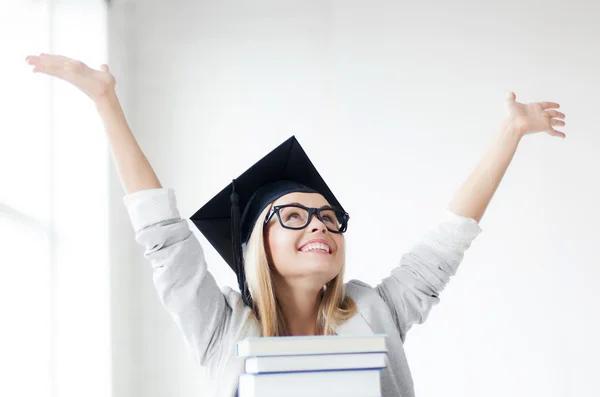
(322, 344)
(360, 383)
(318, 362)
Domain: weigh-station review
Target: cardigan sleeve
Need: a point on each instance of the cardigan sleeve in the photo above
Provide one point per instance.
(185, 286)
(414, 286)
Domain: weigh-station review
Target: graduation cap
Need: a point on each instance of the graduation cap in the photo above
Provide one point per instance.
(284, 170)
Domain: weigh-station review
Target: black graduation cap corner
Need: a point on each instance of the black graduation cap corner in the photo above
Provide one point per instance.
(227, 219)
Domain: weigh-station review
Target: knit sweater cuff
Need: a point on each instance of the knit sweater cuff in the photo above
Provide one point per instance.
(151, 206)
(453, 235)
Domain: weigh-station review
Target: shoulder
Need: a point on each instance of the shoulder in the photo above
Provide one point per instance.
(234, 299)
(237, 319)
(240, 314)
(362, 293)
(371, 306)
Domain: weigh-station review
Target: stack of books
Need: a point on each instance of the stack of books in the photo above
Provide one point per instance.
(315, 366)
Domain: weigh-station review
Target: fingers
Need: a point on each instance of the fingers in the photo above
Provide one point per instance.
(57, 66)
(549, 105)
(555, 114)
(554, 121)
(41, 64)
(60, 66)
(51, 69)
(554, 132)
(46, 63)
(46, 59)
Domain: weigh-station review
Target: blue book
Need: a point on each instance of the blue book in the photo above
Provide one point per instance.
(320, 362)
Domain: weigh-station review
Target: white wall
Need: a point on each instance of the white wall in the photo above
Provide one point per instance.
(127, 379)
(395, 103)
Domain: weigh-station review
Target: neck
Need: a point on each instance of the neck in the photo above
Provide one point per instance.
(300, 308)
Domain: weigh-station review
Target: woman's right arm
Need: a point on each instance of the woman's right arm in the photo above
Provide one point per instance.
(133, 167)
(99, 85)
(184, 285)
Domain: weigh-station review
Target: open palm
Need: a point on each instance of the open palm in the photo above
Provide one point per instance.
(530, 118)
(94, 83)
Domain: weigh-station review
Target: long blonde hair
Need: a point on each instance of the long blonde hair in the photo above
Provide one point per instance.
(334, 307)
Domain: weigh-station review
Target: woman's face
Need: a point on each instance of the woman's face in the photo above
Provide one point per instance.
(298, 255)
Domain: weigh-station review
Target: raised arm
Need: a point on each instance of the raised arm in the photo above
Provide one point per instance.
(415, 285)
(133, 167)
(184, 285)
(473, 197)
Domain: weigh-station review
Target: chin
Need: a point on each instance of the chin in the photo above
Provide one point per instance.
(320, 269)
(325, 269)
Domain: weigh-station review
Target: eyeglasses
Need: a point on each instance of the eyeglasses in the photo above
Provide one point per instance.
(296, 217)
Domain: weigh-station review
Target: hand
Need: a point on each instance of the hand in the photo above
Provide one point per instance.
(97, 84)
(534, 117)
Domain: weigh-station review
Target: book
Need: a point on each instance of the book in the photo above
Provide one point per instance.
(319, 362)
(306, 345)
(349, 383)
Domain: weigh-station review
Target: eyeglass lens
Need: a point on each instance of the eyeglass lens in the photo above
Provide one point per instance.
(296, 217)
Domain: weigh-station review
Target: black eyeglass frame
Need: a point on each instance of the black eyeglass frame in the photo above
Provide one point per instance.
(343, 218)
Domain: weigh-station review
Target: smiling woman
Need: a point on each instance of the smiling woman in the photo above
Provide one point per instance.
(307, 263)
(284, 290)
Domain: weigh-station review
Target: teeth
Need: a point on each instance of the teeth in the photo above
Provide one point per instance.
(316, 246)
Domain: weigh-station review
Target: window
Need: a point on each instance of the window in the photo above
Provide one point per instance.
(54, 290)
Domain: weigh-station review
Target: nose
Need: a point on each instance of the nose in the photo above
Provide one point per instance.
(316, 225)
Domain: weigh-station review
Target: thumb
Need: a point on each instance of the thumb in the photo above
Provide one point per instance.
(509, 101)
(104, 68)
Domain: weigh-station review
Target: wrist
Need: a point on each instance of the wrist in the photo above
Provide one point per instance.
(107, 100)
(511, 129)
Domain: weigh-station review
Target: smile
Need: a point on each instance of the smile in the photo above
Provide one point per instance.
(319, 248)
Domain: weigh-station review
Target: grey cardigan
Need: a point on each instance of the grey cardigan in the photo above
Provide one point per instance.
(213, 320)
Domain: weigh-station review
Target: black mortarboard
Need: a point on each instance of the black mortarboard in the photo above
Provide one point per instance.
(285, 170)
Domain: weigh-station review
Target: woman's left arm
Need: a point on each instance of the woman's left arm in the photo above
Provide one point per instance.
(414, 286)
(473, 197)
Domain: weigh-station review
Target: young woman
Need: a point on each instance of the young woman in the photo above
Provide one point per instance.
(291, 269)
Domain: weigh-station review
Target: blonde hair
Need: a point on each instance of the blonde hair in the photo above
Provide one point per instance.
(334, 308)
